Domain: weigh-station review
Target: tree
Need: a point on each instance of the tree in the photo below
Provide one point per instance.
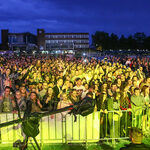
(101, 39)
(147, 43)
(122, 43)
(139, 37)
(131, 42)
(113, 41)
(137, 41)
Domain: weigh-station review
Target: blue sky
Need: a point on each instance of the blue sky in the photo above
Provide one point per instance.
(117, 16)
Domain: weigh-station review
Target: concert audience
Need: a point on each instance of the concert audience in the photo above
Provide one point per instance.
(45, 83)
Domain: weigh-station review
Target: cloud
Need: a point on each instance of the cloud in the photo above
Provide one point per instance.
(119, 16)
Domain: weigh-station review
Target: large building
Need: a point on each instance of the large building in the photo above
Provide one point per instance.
(44, 41)
(62, 41)
(17, 41)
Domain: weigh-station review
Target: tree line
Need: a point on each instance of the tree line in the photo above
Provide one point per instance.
(106, 41)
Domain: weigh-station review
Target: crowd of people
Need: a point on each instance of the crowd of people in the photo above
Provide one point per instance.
(46, 83)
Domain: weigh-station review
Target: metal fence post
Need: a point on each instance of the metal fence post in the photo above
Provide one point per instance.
(113, 140)
(55, 128)
(79, 127)
(86, 130)
(41, 134)
(126, 127)
(72, 127)
(99, 125)
(148, 119)
(106, 124)
(63, 129)
(65, 122)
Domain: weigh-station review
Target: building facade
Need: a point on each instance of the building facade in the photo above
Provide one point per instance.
(44, 41)
(18, 41)
(62, 41)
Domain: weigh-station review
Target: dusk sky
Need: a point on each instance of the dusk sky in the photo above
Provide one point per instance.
(117, 16)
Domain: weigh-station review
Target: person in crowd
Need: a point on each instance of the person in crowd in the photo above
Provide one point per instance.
(66, 86)
(33, 104)
(7, 101)
(17, 85)
(48, 100)
(85, 91)
(24, 92)
(137, 105)
(5, 79)
(74, 98)
(57, 91)
(102, 107)
(43, 91)
(19, 106)
(125, 104)
(20, 102)
(113, 102)
(119, 83)
(64, 102)
(146, 93)
(79, 87)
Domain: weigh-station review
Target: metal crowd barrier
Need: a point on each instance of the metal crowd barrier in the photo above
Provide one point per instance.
(62, 129)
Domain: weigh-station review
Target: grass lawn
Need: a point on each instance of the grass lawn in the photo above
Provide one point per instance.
(89, 146)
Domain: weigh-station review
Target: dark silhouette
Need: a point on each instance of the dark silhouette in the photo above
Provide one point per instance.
(111, 41)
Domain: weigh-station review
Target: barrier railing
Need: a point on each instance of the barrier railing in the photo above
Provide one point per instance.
(92, 128)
